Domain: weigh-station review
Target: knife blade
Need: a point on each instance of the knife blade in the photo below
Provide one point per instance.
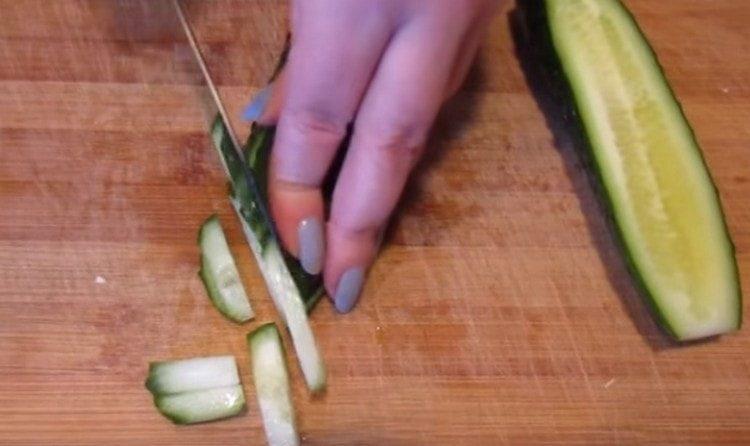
(221, 112)
(206, 74)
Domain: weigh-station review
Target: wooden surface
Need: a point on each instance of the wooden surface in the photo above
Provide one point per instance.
(498, 313)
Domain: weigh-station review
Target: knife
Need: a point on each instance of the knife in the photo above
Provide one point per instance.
(206, 75)
(221, 112)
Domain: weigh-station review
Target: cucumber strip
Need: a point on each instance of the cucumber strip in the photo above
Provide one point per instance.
(219, 273)
(272, 263)
(185, 375)
(664, 203)
(309, 288)
(290, 307)
(201, 405)
(272, 385)
(257, 154)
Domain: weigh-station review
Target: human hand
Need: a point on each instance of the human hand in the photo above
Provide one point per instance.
(385, 65)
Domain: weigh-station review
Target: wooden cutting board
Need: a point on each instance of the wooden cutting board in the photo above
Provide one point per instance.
(498, 313)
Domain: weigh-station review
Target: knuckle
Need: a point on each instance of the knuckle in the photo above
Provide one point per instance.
(400, 139)
(350, 227)
(316, 125)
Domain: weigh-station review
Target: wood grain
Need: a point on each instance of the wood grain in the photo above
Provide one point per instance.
(499, 311)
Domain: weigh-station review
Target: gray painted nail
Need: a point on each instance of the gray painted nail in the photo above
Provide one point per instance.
(256, 106)
(310, 236)
(349, 287)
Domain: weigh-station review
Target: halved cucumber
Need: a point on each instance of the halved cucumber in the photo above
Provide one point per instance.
(286, 292)
(664, 203)
(219, 273)
(202, 405)
(272, 385)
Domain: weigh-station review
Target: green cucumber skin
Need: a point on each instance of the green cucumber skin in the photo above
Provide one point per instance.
(151, 382)
(239, 187)
(537, 32)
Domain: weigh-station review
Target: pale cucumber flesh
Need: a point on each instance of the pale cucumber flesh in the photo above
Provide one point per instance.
(203, 405)
(220, 275)
(272, 386)
(186, 375)
(663, 200)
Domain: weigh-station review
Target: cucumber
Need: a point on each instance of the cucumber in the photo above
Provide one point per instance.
(219, 273)
(291, 300)
(252, 205)
(272, 385)
(664, 204)
(291, 309)
(185, 375)
(196, 390)
(201, 405)
(257, 153)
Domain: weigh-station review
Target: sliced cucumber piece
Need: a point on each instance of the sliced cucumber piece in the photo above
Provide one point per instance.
(202, 405)
(272, 385)
(220, 274)
(290, 307)
(186, 375)
(286, 293)
(665, 206)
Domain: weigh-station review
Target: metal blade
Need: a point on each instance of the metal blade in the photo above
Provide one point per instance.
(206, 75)
(222, 112)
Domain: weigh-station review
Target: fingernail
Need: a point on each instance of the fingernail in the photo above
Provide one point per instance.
(347, 292)
(310, 236)
(256, 106)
